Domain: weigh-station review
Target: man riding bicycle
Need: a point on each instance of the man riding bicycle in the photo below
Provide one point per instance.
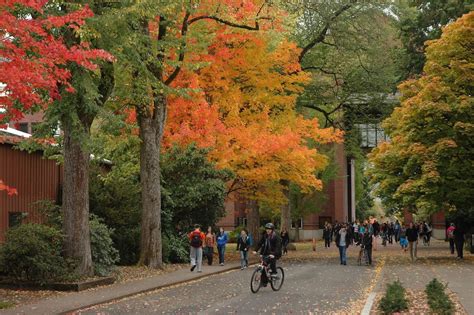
(270, 246)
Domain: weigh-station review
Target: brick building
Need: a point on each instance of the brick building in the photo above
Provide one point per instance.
(339, 207)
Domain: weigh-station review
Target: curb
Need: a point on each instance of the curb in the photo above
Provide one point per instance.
(162, 286)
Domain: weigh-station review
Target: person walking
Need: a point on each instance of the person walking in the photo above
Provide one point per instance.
(196, 240)
(402, 238)
(285, 240)
(243, 245)
(367, 241)
(459, 241)
(412, 236)
(327, 235)
(210, 242)
(450, 235)
(342, 242)
(222, 239)
(397, 229)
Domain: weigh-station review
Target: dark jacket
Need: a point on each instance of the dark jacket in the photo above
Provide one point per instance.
(367, 240)
(285, 238)
(270, 245)
(243, 245)
(412, 234)
(327, 233)
(338, 238)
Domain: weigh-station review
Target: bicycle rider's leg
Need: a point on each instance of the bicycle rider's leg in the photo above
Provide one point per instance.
(272, 264)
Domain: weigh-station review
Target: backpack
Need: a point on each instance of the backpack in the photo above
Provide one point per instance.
(196, 240)
(451, 233)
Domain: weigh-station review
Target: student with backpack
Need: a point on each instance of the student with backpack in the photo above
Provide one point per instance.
(196, 239)
(450, 235)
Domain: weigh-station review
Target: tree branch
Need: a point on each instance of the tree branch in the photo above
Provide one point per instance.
(323, 33)
(184, 31)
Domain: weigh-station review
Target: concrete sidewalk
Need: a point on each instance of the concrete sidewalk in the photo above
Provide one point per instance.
(75, 301)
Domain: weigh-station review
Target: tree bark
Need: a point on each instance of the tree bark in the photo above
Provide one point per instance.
(151, 132)
(285, 216)
(253, 220)
(76, 201)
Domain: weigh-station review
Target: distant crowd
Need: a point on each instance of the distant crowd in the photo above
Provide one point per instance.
(363, 235)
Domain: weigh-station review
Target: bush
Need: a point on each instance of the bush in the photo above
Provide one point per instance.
(394, 299)
(104, 255)
(175, 248)
(438, 300)
(234, 235)
(33, 252)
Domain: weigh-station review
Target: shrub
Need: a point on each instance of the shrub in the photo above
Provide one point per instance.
(104, 255)
(234, 235)
(394, 299)
(175, 248)
(33, 252)
(438, 300)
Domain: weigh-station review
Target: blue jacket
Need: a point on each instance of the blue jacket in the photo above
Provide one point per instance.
(222, 239)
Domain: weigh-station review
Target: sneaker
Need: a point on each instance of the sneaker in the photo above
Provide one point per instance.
(222, 264)
(241, 268)
(193, 267)
(199, 271)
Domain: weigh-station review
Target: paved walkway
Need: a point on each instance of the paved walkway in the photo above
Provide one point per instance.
(434, 261)
(74, 301)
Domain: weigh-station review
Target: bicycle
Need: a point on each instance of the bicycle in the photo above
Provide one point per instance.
(363, 252)
(262, 275)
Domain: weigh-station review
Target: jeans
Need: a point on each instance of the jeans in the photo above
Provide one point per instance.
(451, 245)
(196, 257)
(244, 262)
(209, 254)
(342, 254)
(221, 250)
(459, 247)
(327, 242)
(413, 246)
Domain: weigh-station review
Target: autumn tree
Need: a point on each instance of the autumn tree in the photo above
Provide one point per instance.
(246, 113)
(43, 61)
(155, 38)
(427, 165)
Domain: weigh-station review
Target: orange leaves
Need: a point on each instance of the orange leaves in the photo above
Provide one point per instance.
(10, 191)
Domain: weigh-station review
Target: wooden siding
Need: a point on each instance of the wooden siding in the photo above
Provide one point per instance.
(35, 179)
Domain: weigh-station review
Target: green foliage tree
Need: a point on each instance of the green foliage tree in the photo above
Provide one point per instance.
(195, 189)
(427, 165)
(422, 20)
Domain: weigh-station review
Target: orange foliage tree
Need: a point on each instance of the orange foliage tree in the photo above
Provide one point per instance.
(245, 111)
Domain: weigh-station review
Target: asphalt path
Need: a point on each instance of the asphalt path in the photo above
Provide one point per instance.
(322, 286)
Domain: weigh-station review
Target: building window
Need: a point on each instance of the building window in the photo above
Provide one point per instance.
(23, 127)
(371, 135)
(241, 221)
(323, 220)
(297, 224)
(15, 218)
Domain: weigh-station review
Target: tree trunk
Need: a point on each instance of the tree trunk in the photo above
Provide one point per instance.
(77, 243)
(253, 220)
(285, 210)
(151, 131)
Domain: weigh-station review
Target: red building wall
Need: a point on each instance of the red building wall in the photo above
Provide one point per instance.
(35, 179)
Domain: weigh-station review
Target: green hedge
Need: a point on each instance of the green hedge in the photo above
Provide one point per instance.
(394, 299)
(438, 300)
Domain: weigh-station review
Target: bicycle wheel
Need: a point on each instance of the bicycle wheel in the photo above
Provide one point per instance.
(277, 279)
(256, 281)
